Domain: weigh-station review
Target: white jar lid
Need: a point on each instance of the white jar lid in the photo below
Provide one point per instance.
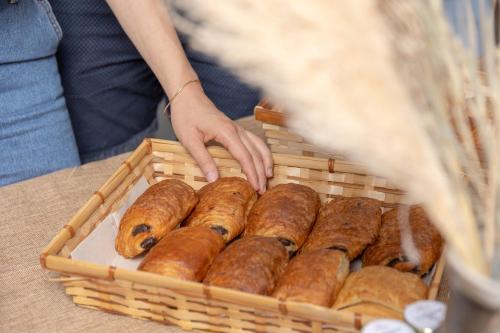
(387, 326)
(425, 316)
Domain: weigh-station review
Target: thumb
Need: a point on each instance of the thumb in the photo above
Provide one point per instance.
(197, 149)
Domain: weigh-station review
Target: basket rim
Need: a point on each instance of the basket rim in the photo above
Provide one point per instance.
(266, 113)
(51, 260)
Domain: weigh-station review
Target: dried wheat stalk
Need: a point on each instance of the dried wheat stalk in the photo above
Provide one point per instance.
(385, 82)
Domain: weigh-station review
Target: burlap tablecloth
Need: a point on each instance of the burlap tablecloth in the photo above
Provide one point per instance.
(32, 212)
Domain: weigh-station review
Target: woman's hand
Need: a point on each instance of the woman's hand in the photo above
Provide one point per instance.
(196, 121)
(195, 118)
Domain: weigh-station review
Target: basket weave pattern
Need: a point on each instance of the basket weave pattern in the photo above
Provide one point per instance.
(280, 138)
(191, 305)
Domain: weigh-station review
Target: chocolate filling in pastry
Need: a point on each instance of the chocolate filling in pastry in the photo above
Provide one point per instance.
(387, 250)
(286, 212)
(224, 206)
(345, 224)
(148, 243)
(290, 246)
(140, 229)
(153, 215)
(185, 253)
(219, 229)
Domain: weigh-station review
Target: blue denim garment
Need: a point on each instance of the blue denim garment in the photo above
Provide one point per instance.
(111, 93)
(35, 131)
(456, 12)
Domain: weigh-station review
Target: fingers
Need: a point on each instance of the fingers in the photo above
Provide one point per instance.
(196, 147)
(265, 153)
(230, 138)
(256, 157)
(252, 154)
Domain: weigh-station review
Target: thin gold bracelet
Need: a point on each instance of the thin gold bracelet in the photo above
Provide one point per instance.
(177, 93)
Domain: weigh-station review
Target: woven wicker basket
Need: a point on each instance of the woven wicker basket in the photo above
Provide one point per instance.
(280, 138)
(195, 306)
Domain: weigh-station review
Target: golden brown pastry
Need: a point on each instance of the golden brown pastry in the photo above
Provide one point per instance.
(286, 211)
(387, 249)
(153, 215)
(380, 291)
(185, 253)
(345, 224)
(224, 206)
(314, 277)
(252, 264)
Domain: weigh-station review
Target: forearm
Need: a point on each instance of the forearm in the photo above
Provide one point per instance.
(148, 25)
(195, 119)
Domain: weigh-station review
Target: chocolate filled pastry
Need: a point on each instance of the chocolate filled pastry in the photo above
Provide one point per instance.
(252, 264)
(224, 206)
(345, 224)
(380, 291)
(153, 215)
(185, 253)
(388, 251)
(287, 212)
(314, 277)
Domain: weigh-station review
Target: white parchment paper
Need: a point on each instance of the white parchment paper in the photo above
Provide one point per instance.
(99, 246)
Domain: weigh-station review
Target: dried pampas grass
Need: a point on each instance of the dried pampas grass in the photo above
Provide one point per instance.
(385, 82)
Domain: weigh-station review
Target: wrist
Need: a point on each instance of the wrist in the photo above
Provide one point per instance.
(187, 96)
(175, 81)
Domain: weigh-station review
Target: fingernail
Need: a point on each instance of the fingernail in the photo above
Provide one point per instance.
(263, 187)
(211, 176)
(269, 172)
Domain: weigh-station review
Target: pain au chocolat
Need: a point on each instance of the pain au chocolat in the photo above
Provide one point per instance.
(185, 253)
(388, 250)
(380, 291)
(224, 206)
(314, 277)
(287, 212)
(155, 213)
(252, 264)
(345, 224)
